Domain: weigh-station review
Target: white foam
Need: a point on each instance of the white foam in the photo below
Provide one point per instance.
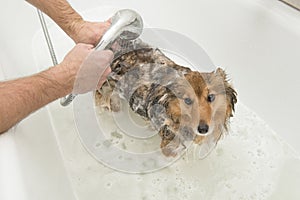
(252, 162)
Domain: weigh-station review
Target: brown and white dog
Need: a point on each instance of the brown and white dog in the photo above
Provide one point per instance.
(181, 104)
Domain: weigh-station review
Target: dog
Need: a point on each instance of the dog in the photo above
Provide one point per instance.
(183, 105)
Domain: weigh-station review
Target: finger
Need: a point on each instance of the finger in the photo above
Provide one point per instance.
(103, 78)
(108, 52)
(104, 57)
(84, 45)
(106, 72)
(109, 21)
(100, 84)
(109, 55)
(90, 46)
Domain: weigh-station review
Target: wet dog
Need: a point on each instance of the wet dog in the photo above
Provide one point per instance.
(182, 105)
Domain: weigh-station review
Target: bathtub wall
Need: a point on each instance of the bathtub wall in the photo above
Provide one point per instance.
(30, 162)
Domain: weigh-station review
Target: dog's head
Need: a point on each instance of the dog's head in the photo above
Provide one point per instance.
(201, 107)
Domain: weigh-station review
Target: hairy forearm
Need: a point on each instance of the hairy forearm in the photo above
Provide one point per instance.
(60, 11)
(79, 30)
(23, 96)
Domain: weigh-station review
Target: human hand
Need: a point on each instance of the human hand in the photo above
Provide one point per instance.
(85, 69)
(88, 32)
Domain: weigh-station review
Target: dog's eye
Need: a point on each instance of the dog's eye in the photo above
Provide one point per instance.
(211, 97)
(188, 101)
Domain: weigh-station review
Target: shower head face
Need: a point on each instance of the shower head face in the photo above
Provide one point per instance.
(129, 23)
(125, 24)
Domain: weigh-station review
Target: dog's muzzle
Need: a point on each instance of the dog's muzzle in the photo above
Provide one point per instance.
(203, 128)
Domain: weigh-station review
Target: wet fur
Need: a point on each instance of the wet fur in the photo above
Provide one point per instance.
(155, 88)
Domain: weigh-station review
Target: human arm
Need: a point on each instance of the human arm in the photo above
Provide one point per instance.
(71, 22)
(20, 97)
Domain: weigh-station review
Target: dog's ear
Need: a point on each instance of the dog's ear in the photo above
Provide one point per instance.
(231, 99)
(231, 95)
(220, 72)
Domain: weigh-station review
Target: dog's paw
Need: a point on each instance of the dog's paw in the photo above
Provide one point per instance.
(168, 148)
(172, 148)
(115, 103)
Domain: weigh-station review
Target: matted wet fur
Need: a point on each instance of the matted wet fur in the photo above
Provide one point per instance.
(181, 104)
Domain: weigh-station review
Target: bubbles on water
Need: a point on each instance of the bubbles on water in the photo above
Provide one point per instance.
(244, 165)
(108, 185)
(120, 157)
(107, 143)
(260, 153)
(149, 163)
(234, 157)
(98, 144)
(139, 178)
(219, 151)
(116, 135)
(124, 146)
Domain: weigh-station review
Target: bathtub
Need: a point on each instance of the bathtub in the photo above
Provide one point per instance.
(256, 41)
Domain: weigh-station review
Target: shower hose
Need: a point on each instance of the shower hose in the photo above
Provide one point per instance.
(64, 101)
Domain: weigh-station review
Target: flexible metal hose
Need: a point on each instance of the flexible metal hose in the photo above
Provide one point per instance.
(68, 99)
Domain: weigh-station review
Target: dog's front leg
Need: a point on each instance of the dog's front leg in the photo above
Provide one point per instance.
(170, 143)
(115, 102)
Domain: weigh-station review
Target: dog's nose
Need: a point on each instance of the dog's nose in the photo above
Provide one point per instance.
(203, 128)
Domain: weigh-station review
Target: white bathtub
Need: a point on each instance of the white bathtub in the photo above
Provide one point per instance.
(256, 41)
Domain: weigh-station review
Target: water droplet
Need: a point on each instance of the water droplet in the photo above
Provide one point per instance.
(108, 185)
(117, 135)
(98, 144)
(107, 143)
(124, 146)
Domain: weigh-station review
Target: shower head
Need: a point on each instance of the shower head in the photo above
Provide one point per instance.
(125, 24)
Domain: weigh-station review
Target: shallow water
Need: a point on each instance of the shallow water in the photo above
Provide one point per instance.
(251, 162)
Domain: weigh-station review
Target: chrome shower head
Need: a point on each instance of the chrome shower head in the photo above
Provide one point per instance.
(125, 24)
